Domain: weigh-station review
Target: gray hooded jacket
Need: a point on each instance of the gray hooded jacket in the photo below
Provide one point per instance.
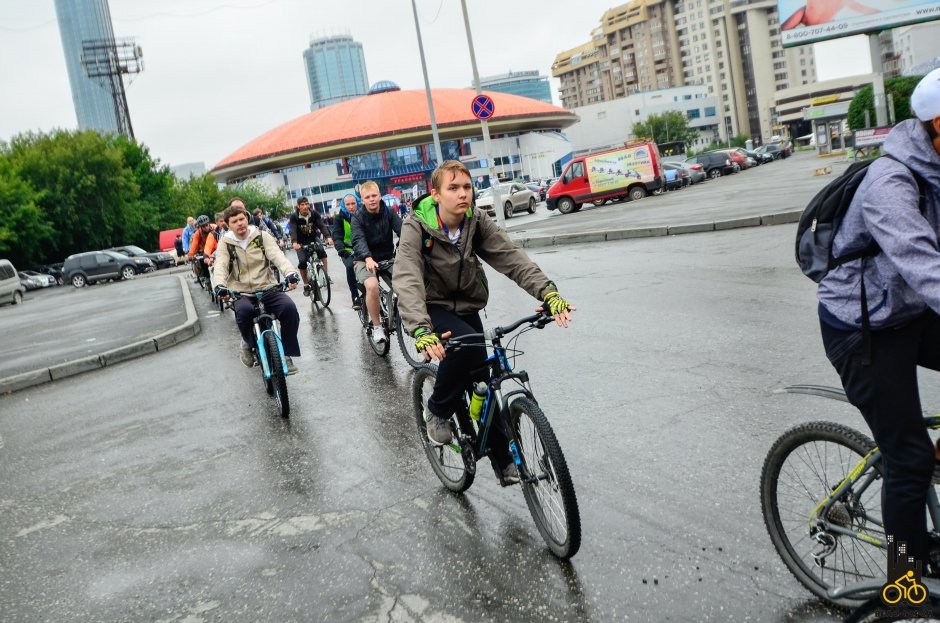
(902, 281)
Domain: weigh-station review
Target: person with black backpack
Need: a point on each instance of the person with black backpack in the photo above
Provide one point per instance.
(879, 300)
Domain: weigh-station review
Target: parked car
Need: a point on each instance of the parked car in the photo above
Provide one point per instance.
(515, 197)
(85, 268)
(677, 176)
(11, 290)
(30, 283)
(538, 189)
(714, 163)
(776, 150)
(44, 281)
(739, 159)
(761, 157)
(160, 260)
(695, 171)
(54, 270)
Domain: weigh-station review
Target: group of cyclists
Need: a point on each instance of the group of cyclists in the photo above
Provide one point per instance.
(438, 275)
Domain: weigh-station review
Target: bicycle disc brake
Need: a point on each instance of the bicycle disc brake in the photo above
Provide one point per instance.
(466, 453)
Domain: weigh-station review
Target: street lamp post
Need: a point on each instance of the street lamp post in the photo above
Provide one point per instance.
(494, 179)
(427, 89)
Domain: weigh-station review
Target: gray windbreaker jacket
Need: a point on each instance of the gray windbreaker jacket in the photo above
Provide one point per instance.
(903, 280)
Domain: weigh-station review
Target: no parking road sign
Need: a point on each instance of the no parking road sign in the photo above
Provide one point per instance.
(482, 107)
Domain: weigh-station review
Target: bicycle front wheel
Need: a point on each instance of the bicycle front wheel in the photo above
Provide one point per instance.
(803, 467)
(446, 461)
(406, 344)
(323, 286)
(545, 480)
(278, 379)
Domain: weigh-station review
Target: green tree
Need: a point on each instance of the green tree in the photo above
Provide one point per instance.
(899, 88)
(670, 126)
(86, 192)
(192, 197)
(255, 195)
(23, 231)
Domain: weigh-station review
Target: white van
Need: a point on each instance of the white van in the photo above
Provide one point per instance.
(11, 290)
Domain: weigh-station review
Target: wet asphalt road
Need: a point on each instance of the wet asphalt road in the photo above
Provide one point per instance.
(167, 489)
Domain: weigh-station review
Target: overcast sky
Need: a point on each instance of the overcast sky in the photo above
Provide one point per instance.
(218, 73)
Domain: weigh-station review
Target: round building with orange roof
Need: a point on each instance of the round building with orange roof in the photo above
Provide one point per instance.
(386, 136)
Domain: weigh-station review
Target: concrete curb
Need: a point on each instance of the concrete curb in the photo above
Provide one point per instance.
(189, 329)
(779, 218)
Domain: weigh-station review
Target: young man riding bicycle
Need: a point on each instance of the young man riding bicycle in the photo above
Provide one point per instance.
(305, 225)
(242, 263)
(441, 288)
(372, 229)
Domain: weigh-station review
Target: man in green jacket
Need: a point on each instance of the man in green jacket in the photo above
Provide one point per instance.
(441, 289)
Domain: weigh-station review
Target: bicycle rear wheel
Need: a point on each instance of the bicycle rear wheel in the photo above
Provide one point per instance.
(322, 286)
(278, 379)
(546, 482)
(406, 344)
(804, 466)
(446, 461)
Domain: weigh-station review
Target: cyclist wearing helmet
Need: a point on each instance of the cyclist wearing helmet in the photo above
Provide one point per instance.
(442, 288)
(242, 264)
(198, 243)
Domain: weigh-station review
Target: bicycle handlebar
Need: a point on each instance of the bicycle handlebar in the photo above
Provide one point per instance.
(538, 321)
(279, 286)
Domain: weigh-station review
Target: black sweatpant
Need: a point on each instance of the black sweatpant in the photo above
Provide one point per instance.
(458, 369)
(351, 278)
(279, 305)
(886, 393)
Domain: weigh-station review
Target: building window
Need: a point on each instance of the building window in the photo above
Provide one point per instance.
(710, 110)
(693, 113)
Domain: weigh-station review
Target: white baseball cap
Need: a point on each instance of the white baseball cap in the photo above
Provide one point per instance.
(925, 100)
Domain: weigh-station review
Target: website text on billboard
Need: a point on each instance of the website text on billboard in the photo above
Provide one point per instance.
(809, 21)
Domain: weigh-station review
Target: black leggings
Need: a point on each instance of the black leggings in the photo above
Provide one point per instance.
(887, 394)
(458, 369)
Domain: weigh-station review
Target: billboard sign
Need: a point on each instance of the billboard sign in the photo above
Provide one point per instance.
(871, 136)
(809, 21)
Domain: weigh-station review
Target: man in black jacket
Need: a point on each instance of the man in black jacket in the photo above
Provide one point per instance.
(372, 243)
(304, 226)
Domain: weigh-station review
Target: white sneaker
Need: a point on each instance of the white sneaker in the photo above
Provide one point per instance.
(378, 335)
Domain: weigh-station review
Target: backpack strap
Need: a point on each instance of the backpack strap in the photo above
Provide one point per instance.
(872, 250)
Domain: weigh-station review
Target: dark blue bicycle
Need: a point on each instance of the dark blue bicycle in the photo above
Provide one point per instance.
(543, 472)
(268, 349)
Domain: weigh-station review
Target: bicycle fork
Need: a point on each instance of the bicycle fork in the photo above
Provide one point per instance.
(265, 367)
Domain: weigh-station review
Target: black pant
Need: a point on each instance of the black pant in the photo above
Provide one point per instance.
(458, 369)
(351, 277)
(887, 394)
(279, 305)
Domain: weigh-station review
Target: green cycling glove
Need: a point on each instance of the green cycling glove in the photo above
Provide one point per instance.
(425, 338)
(554, 303)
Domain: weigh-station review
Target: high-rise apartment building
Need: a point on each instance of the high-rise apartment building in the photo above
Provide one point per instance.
(633, 49)
(524, 83)
(86, 20)
(732, 47)
(336, 70)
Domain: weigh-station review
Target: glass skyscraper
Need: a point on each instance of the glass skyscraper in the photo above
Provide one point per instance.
(336, 70)
(524, 83)
(81, 20)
